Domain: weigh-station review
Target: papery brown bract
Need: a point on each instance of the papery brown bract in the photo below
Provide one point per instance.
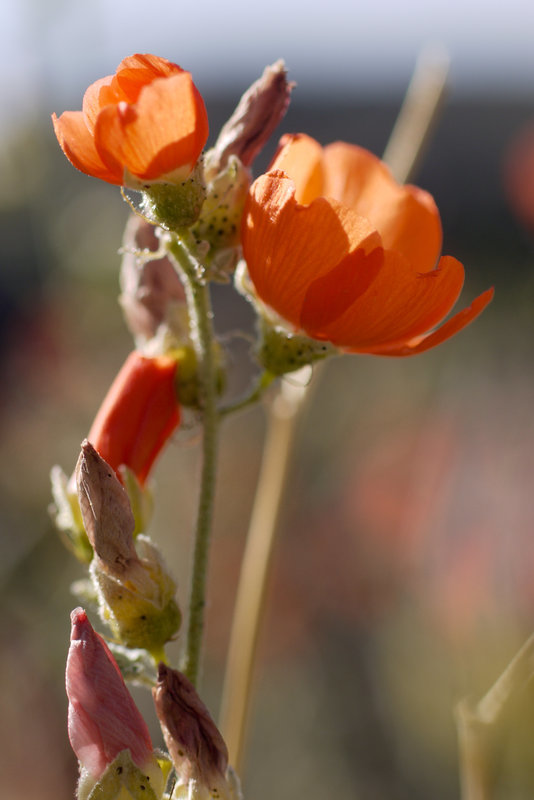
(195, 745)
(106, 511)
(260, 110)
(152, 294)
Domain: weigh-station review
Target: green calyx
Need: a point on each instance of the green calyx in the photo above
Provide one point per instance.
(219, 224)
(281, 352)
(139, 604)
(124, 780)
(175, 206)
(188, 387)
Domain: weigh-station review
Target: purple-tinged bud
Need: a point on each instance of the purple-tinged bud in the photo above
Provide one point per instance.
(195, 745)
(103, 718)
(152, 294)
(258, 113)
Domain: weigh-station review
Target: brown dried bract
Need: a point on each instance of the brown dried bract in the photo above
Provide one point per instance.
(258, 113)
(106, 511)
(150, 285)
(195, 745)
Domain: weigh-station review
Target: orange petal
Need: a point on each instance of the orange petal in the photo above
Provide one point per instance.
(99, 94)
(328, 297)
(300, 156)
(135, 72)
(78, 145)
(138, 415)
(406, 217)
(421, 343)
(288, 246)
(399, 305)
(129, 135)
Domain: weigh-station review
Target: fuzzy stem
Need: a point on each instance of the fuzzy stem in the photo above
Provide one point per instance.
(250, 601)
(202, 334)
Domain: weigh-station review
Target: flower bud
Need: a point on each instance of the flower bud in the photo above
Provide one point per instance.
(195, 745)
(257, 115)
(152, 294)
(226, 173)
(134, 590)
(138, 415)
(106, 511)
(103, 720)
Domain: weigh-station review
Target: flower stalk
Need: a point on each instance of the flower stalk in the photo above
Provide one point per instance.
(182, 250)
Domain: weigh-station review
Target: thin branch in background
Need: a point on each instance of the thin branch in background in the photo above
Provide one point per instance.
(420, 110)
(417, 115)
(283, 417)
(479, 724)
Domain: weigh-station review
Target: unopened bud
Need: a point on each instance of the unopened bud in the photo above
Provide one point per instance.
(135, 592)
(195, 745)
(152, 292)
(257, 115)
(138, 415)
(106, 511)
(103, 718)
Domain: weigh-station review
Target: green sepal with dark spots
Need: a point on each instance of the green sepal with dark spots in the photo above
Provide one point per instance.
(175, 206)
(281, 352)
(220, 221)
(124, 780)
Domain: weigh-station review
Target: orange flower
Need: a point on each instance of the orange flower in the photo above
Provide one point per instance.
(138, 415)
(341, 252)
(147, 123)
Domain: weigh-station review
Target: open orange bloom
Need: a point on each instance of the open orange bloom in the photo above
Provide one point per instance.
(344, 254)
(147, 123)
(139, 414)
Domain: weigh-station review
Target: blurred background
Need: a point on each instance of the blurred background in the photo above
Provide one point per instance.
(404, 573)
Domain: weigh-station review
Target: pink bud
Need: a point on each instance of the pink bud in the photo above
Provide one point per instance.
(103, 718)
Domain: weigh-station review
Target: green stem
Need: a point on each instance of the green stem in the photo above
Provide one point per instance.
(182, 249)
